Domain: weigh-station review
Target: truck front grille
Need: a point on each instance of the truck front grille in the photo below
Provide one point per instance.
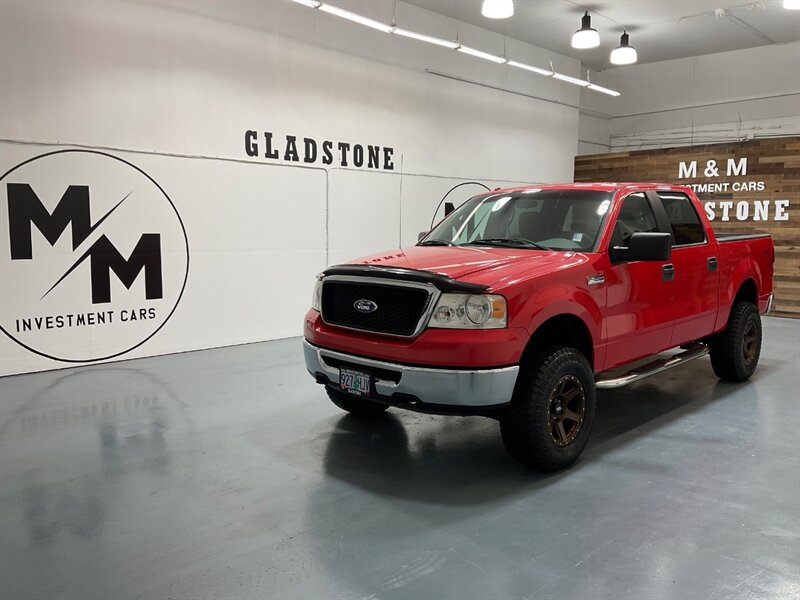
(399, 308)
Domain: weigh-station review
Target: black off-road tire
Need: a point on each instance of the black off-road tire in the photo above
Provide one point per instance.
(529, 426)
(735, 351)
(354, 405)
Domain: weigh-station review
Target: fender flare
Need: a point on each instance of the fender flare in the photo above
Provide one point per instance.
(743, 270)
(584, 308)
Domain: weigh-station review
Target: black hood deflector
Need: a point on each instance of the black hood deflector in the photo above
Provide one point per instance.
(442, 282)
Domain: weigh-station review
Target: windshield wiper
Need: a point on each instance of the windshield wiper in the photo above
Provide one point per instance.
(435, 243)
(507, 242)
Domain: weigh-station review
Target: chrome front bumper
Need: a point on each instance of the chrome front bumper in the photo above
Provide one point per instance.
(442, 387)
(769, 304)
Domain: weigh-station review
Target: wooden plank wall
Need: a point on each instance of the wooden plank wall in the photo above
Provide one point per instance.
(775, 162)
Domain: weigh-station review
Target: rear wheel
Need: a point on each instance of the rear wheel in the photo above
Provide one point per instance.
(355, 405)
(735, 351)
(548, 423)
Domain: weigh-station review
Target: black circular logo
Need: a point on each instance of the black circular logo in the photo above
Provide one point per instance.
(365, 306)
(94, 256)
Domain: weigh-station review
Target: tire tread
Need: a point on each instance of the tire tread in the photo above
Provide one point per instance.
(525, 441)
(726, 352)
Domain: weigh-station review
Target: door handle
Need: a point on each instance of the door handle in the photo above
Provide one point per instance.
(712, 264)
(668, 272)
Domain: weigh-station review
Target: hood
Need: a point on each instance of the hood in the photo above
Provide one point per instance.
(489, 266)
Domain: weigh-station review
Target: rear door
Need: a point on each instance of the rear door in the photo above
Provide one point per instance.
(696, 263)
(639, 309)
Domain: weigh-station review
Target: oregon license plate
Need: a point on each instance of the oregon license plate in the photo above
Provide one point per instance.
(355, 382)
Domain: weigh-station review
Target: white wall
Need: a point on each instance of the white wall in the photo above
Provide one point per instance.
(172, 87)
(594, 134)
(699, 100)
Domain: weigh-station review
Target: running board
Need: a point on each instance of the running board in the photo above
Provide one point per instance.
(651, 368)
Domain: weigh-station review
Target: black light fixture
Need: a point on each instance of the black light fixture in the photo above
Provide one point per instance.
(624, 54)
(586, 37)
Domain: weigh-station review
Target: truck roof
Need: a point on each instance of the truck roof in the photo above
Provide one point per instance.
(600, 186)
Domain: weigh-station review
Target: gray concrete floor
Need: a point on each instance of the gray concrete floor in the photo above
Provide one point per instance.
(227, 473)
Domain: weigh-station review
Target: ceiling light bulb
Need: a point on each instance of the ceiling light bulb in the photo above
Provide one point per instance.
(624, 54)
(497, 9)
(586, 37)
(310, 3)
(791, 4)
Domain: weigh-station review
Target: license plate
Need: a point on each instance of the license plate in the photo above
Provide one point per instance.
(357, 383)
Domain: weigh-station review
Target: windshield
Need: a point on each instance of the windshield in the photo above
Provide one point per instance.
(544, 219)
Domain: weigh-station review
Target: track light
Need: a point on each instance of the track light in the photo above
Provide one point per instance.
(624, 54)
(497, 9)
(481, 54)
(586, 37)
(356, 18)
(568, 79)
(425, 38)
(362, 20)
(519, 65)
(599, 88)
(603, 90)
(791, 4)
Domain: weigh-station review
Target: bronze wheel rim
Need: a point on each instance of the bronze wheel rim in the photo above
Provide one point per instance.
(566, 410)
(750, 343)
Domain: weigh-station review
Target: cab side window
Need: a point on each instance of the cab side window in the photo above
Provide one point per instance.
(686, 226)
(635, 216)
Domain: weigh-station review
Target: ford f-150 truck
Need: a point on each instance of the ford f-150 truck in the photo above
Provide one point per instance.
(523, 301)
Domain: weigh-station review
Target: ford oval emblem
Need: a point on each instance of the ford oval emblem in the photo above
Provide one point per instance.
(365, 306)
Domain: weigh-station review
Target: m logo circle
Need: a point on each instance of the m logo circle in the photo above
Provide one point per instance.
(94, 256)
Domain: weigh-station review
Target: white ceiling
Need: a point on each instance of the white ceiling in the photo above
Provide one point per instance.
(659, 29)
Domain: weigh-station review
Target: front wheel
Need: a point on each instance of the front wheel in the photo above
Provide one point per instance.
(548, 423)
(354, 405)
(735, 351)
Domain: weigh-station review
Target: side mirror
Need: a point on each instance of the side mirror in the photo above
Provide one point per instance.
(644, 246)
(448, 208)
(421, 235)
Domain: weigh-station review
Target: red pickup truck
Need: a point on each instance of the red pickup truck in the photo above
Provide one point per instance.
(523, 301)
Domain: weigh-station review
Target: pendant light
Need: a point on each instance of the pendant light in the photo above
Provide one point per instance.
(624, 54)
(497, 9)
(586, 37)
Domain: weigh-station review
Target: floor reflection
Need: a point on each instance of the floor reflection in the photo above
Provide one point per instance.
(467, 454)
(438, 504)
(240, 479)
(66, 455)
(50, 510)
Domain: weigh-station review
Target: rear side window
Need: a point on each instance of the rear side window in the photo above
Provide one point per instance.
(635, 215)
(686, 226)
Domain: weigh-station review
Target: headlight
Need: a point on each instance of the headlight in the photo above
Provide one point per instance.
(469, 311)
(316, 297)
